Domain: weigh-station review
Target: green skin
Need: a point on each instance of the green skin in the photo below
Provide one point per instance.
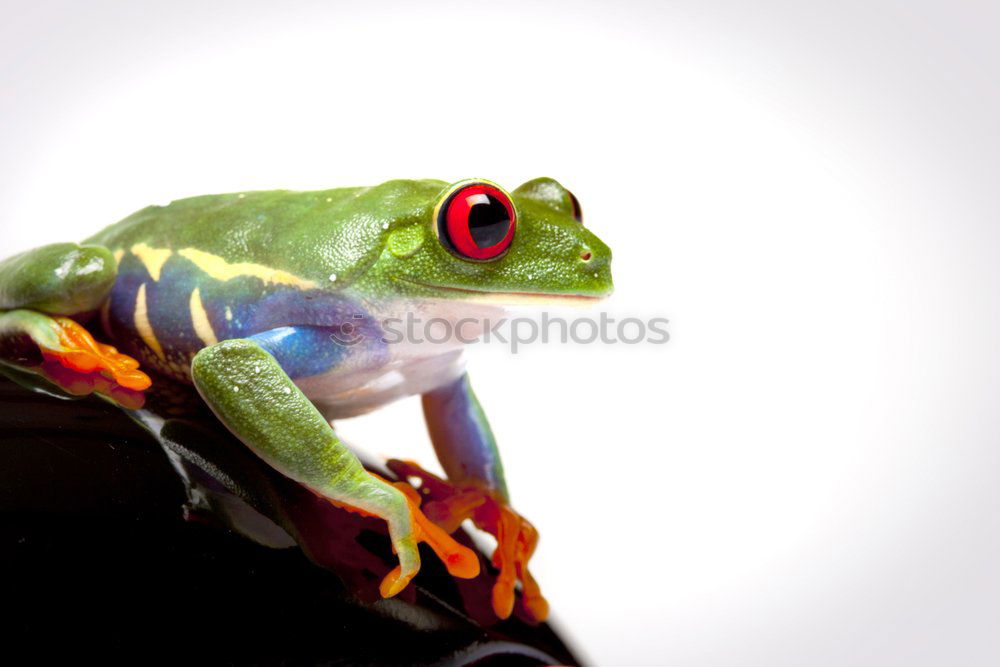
(369, 244)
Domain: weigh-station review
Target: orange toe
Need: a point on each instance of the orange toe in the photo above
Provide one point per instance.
(393, 582)
(81, 353)
(534, 601)
(460, 561)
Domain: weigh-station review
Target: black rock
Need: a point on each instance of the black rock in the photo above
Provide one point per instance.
(154, 535)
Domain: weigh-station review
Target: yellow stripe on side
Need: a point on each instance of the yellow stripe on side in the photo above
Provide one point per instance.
(199, 319)
(140, 318)
(220, 269)
(152, 258)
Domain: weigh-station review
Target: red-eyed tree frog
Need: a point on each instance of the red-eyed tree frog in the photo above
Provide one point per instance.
(273, 305)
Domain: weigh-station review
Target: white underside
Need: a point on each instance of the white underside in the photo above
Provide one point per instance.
(413, 366)
(339, 395)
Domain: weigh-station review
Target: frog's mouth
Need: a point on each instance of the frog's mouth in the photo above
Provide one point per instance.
(510, 298)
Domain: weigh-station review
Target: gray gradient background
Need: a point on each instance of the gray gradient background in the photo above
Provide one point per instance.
(807, 473)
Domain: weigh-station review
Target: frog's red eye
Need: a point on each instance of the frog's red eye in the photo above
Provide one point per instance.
(575, 204)
(477, 221)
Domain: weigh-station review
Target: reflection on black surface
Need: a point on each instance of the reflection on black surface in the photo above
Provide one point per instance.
(184, 542)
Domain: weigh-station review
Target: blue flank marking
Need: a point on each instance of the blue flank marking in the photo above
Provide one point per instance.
(131, 274)
(168, 307)
(302, 351)
(300, 328)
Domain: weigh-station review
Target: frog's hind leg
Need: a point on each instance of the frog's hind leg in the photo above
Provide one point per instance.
(59, 279)
(39, 289)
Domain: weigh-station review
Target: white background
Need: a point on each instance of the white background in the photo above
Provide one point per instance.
(807, 473)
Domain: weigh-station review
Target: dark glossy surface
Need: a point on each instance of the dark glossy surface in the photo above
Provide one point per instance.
(118, 543)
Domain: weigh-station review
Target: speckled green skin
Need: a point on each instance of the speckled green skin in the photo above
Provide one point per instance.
(366, 243)
(378, 241)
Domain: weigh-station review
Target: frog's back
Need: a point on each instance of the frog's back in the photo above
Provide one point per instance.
(239, 226)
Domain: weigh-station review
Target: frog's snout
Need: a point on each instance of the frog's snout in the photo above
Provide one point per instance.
(594, 264)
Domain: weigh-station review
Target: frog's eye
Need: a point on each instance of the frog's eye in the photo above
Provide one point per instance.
(477, 222)
(575, 205)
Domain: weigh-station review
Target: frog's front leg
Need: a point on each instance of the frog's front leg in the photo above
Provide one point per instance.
(252, 394)
(475, 489)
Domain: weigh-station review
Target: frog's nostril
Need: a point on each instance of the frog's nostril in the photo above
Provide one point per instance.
(586, 255)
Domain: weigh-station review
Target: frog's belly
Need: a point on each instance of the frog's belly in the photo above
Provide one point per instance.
(338, 396)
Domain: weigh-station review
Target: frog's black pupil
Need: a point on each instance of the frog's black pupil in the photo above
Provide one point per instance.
(488, 222)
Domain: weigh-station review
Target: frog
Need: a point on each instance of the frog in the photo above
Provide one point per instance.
(274, 305)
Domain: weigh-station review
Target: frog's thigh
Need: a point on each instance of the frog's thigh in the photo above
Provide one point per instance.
(61, 279)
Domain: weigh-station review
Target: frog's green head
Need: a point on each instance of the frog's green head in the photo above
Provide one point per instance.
(472, 240)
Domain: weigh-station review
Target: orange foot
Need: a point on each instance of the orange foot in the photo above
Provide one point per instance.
(460, 561)
(79, 352)
(448, 506)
